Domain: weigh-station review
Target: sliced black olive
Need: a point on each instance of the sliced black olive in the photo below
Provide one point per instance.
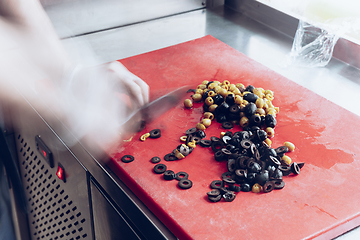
(230, 99)
(245, 187)
(253, 149)
(201, 134)
(224, 190)
(227, 175)
(234, 188)
(301, 164)
(262, 164)
(250, 97)
(261, 135)
(218, 99)
(243, 135)
(257, 155)
(266, 152)
(229, 196)
(224, 108)
(270, 121)
(227, 125)
(241, 174)
(253, 167)
(206, 94)
(181, 175)
(160, 168)
(214, 193)
(233, 117)
(277, 174)
(246, 144)
(191, 90)
(274, 161)
(214, 139)
(295, 169)
(279, 184)
(250, 109)
(251, 176)
(230, 148)
(243, 161)
(253, 129)
(262, 177)
(255, 120)
(234, 109)
(271, 169)
(169, 175)
(268, 186)
(286, 170)
(191, 131)
(235, 141)
(249, 88)
(281, 150)
(185, 183)
(127, 158)
(219, 156)
(215, 199)
(170, 157)
(155, 133)
(221, 117)
(155, 159)
(205, 143)
(226, 139)
(229, 181)
(217, 184)
(197, 139)
(216, 146)
(226, 151)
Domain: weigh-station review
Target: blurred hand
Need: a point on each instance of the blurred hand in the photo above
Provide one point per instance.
(137, 88)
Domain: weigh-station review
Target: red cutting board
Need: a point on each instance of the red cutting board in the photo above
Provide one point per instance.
(323, 201)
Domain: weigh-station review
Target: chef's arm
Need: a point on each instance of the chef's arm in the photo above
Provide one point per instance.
(32, 53)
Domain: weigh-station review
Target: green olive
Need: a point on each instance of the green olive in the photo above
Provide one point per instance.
(213, 107)
(200, 126)
(244, 121)
(209, 115)
(209, 101)
(197, 97)
(206, 122)
(286, 159)
(270, 132)
(188, 103)
(290, 146)
(256, 188)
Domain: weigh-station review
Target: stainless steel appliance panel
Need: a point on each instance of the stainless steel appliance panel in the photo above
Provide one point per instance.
(57, 209)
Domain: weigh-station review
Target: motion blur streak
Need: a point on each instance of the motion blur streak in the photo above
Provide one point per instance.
(65, 81)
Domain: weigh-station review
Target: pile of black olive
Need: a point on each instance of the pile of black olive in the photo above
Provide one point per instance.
(249, 162)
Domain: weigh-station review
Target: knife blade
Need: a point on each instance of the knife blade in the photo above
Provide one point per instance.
(151, 111)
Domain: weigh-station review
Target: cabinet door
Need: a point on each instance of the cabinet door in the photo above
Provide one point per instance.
(109, 221)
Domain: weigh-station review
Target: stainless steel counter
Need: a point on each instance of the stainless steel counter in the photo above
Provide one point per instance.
(337, 82)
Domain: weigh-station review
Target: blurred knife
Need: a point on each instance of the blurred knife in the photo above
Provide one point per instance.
(149, 112)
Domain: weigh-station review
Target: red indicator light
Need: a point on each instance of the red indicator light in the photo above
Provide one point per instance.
(60, 173)
(44, 153)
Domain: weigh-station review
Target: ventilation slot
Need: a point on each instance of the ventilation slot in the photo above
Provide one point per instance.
(52, 214)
